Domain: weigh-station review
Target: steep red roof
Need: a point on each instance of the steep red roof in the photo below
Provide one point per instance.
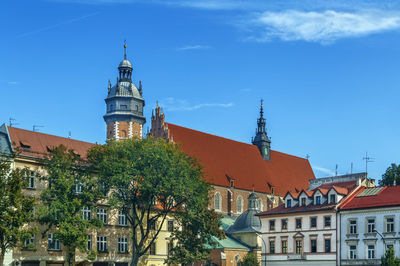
(388, 196)
(37, 144)
(226, 159)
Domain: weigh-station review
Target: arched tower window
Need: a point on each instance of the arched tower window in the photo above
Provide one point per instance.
(259, 205)
(123, 134)
(217, 202)
(239, 204)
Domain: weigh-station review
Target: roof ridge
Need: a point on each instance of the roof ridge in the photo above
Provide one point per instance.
(52, 135)
(241, 142)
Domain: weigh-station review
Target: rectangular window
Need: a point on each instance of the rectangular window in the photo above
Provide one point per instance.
(122, 220)
(327, 221)
(289, 203)
(353, 252)
(29, 243)
(389, 225)
(313, 222)
(353, 227)
(102, 215)
(272, 246)
(333, 198)
(53, 244)
(78, 187)
(170, 226)
(303, 201)
(371, 252)
(284, 246)
(153, 248)
(313, 245)
(89, 242)
(31, 179)
(284, 224)
(318, 200)
(122, 245)
(299, 247)
(328, 245)
(102, 244)
(86, 213)
(298, 223)
(272, 225)
(371, 226)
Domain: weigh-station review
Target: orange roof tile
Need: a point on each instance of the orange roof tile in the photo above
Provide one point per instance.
(225, 159)
(38, 144)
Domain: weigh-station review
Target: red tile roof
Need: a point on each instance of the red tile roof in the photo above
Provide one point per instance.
(225, 159)
(37, 144)
(389, 196)
(343, 188)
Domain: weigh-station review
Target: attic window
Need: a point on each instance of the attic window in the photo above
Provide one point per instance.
(49, 149)
(303, 201)
(25, 144)
(333, 198)
(232, 183)
(272, 190)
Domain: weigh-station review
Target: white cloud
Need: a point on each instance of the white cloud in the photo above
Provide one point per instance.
(193, 47)
(323, 170)
(12, 82)
(172, 104)
(322, 27)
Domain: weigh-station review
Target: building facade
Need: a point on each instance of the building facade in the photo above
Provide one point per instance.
(370, 224)
(303, 230)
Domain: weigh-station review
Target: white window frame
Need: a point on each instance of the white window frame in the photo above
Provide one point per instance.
(89, 243)
(30, 241)
(217, 201)
(352, 253)
(239, 204)
(102, 215)
(353, 227)
(86, 213)
(370, 226)
(122, 219)
(122, 245)
(32, 180)
(52, 243)
(371, 254)
(102, 244)
(391, 224)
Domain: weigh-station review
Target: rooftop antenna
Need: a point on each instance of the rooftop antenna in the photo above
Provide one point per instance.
(336, 170)
(307, 156)
(351, 168)
(367, 160)
(11, 122)
(35, 128)
(69, 134)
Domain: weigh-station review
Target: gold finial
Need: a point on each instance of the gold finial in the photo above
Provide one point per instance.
(124, 49)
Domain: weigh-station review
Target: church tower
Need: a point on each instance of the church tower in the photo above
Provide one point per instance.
(124, 113)
(261, 139)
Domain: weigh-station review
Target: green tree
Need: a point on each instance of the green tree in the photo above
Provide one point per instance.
(391, 176)
(72, 186)
(389, 259)
(249, 260)
(16, 209)
(151, 180)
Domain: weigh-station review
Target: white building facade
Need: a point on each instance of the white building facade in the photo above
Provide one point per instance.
(370, 224)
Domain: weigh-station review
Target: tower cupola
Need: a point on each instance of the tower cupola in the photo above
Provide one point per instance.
(124, 112)
(261, 140)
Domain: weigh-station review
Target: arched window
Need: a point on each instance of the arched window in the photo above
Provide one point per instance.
(123, 134)
(239, 204)
(237, 259)
(217, 201)
(259, 205)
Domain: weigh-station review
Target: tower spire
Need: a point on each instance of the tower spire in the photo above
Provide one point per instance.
(261, 140)
(125, 49)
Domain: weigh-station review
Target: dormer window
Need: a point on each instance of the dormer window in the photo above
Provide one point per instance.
(303, 201)
(318, 200)
(333, 198)
(288, 203)
(232, 183)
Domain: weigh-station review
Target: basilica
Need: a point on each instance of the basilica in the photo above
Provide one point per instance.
(247, 177)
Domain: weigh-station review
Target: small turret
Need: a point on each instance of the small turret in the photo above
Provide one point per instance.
(261, 140)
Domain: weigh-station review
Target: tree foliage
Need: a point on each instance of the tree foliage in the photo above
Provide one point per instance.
(150, 180)
(71, 187)
(16, 208)
(389, 259)
(249, 260)
(391, 176)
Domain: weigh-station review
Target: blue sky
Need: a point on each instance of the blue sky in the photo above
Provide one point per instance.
(328, 71)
